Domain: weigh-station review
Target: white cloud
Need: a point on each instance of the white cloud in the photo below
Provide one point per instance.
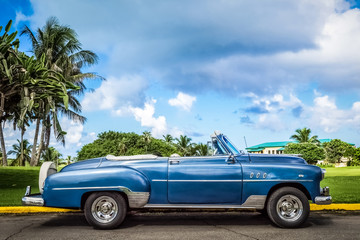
(233, 47)
(183, 101)
(20, 17)
(73, 131)
(332, 62)
(273, 112)
(326, 115)
(146, 117)
(158, 125)
(116, 94)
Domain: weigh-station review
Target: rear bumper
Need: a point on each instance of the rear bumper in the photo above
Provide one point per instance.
(32, 199)
(325, 198)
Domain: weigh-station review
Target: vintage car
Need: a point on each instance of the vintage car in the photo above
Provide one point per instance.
(106, 188)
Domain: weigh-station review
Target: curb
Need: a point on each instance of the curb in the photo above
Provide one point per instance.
(335, 206)
(25, 210)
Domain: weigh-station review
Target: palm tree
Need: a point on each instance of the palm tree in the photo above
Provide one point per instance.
(168, 138)
(303, 136)
(183, 144)
(202, 149)
(63, 53)
(68, 160)
(9, 86)
(146, 137)
(123, 146)
(21, 150)
(51, 154)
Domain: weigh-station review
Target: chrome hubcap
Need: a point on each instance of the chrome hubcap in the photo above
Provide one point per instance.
(289, 208)
(104, 209)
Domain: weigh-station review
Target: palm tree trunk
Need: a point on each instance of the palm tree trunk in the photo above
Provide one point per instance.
(3, 150)
(21, 162)
(2, 140)
(47, 133)
(41, 145)
(33, 151)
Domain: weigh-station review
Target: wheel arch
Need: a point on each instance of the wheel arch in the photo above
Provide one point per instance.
(288, 184)
(86, 195)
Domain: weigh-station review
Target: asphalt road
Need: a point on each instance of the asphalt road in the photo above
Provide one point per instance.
(180, 225)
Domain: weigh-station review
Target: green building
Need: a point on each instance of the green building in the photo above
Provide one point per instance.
(276, 147)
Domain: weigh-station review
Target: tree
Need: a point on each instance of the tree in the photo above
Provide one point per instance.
(21, 150)
(119, 143)
(63, 54)
(303, 136)
(146, 137)
(68, 160)
(9, 88)
(202, 149)
(183, 145)
(336, 149)
(123, 146)
(355, 161)
(309, 151)
(51, 154)
(168, 138)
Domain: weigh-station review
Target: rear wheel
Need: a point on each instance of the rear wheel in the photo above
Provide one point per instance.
(288, 207)
(105, 210)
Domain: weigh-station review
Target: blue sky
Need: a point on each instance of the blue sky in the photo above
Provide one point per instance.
(259, 70)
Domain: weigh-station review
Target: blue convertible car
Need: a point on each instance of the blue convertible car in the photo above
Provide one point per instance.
(107, 187)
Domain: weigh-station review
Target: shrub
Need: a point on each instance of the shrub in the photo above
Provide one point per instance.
(309, 151)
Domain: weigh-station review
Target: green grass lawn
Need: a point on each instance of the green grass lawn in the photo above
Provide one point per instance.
(13, 182)
(344, 184)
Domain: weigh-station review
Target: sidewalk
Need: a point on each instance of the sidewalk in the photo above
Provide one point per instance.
(25, 210)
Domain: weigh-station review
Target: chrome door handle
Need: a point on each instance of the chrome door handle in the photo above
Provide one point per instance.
(174, 162)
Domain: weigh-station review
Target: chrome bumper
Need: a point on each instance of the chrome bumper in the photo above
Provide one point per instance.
(325, 197)
(32, 199)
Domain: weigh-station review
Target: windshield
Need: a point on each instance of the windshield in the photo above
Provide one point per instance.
(232, 147)
(222, 145)
(218, 148)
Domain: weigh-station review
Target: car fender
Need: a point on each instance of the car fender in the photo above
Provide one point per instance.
(66, 189)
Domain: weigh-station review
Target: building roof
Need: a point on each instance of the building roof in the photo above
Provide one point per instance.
(281, 145)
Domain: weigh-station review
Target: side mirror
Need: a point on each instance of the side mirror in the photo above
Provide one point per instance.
(230, 160)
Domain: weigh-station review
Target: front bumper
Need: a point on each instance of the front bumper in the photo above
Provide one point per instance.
(325, 198)
(32, 199)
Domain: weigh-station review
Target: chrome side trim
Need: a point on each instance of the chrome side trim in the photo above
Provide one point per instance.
(246, 180)
(195, 206)
(106, 187)
(136, 199)
(277, 180)
(205, 180)
(253, 202)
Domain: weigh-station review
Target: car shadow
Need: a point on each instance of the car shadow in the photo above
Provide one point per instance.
(134, 219)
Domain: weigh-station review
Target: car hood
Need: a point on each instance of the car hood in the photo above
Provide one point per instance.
(276, 159)
(86, 164)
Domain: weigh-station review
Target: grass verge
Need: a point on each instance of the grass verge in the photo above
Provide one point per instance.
(13, 182)
(344, 184)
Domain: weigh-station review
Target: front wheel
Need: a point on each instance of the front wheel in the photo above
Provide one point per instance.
(105, 210)
(288, 207)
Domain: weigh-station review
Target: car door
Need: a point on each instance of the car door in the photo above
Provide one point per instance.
(204, 180)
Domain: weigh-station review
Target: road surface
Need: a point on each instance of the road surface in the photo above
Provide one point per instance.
(180, 225)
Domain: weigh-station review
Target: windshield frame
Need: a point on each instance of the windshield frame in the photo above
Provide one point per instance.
(226, 144)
